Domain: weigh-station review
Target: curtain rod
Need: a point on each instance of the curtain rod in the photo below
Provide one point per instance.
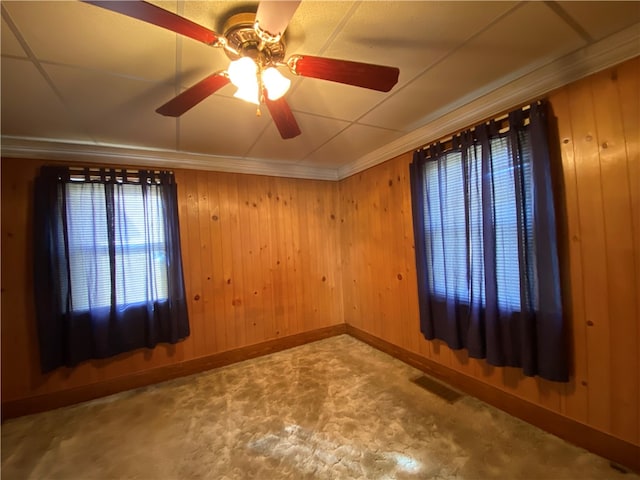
(133, 171)
(501, 120)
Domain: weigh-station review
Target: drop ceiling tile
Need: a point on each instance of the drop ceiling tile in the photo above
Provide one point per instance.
(10, 44)
(350, 145)
(221, 125)
(511, 44)
(314, 24)
(590, 15)
(315, 131)
(75, 33)
(411, 35)
(410, 42)
(335, 100)
(31, 108)
(123, 112)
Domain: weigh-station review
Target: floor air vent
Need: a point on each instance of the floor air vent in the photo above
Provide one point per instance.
(437, 388)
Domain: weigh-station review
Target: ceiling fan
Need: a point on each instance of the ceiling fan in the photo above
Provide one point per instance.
(254, 44)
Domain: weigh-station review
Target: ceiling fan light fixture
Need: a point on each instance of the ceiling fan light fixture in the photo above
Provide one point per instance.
(248, 93)
(243, 72)
(275, 83)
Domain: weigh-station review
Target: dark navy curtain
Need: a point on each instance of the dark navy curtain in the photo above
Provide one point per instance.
(108, 267)
(485, 242)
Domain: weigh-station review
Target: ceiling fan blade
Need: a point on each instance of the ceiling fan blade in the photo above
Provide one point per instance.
(283, 117)
(155, 15)
(193, 95)
(274, 16)
(366, 75)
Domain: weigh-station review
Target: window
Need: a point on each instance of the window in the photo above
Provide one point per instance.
(139, 246)
(453, 223)
(485, 241)
(108, 268)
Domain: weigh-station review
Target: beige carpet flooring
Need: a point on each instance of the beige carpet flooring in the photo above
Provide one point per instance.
(334, 409)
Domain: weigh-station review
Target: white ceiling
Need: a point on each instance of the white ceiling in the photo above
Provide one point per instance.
(83, 82)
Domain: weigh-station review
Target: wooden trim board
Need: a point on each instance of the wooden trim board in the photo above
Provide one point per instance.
(600, 443)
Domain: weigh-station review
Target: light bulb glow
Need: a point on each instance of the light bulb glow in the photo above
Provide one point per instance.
(242, 72)
(275, 83)
(248, 93)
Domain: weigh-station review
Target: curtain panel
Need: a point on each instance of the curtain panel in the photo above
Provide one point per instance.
(485, 245)
(107, 263)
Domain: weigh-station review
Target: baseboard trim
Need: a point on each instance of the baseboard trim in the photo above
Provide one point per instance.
(63, 398)
(600, 443)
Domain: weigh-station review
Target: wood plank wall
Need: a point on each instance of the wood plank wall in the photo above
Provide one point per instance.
(261, 261)
(599, 185)
(270, 257)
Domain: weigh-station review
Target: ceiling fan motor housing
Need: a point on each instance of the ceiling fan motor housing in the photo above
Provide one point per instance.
(242, 37)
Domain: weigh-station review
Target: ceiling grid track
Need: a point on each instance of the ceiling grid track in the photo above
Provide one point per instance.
(36, 63)
(568, 19)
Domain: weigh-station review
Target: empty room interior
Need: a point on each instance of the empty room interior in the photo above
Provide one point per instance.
(320, 239)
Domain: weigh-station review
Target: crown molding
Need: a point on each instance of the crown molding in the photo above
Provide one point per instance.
(47, 149)
(516, 89)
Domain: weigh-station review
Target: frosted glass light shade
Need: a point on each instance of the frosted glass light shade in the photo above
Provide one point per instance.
(275, 83)
(248, 93)
(243, 72)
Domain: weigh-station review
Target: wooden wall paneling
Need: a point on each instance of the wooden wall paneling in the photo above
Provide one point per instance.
(262, 291)
(289, 260)
(387, 260)
(374, 254)
(207, 291)
(403, 252)
(333, 268)
(266, 251)
(308, 255)
(296, 266)
(575, 399)
(629, 92)
(593, 244)
(345, 249)
(398, 273)
(338, 278)
(183, 218)
(328, 257)
(194, 270)
(392, 294)
(349, 261)
(277, 265)
(618, 225)
(233, 252)
(320, 237)
(365, 235)
(355, 247)
(361, 251)
(19, 338)
(217, 277)
(301, 261)
(252, 301)
(411, 318)
(549, 394)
